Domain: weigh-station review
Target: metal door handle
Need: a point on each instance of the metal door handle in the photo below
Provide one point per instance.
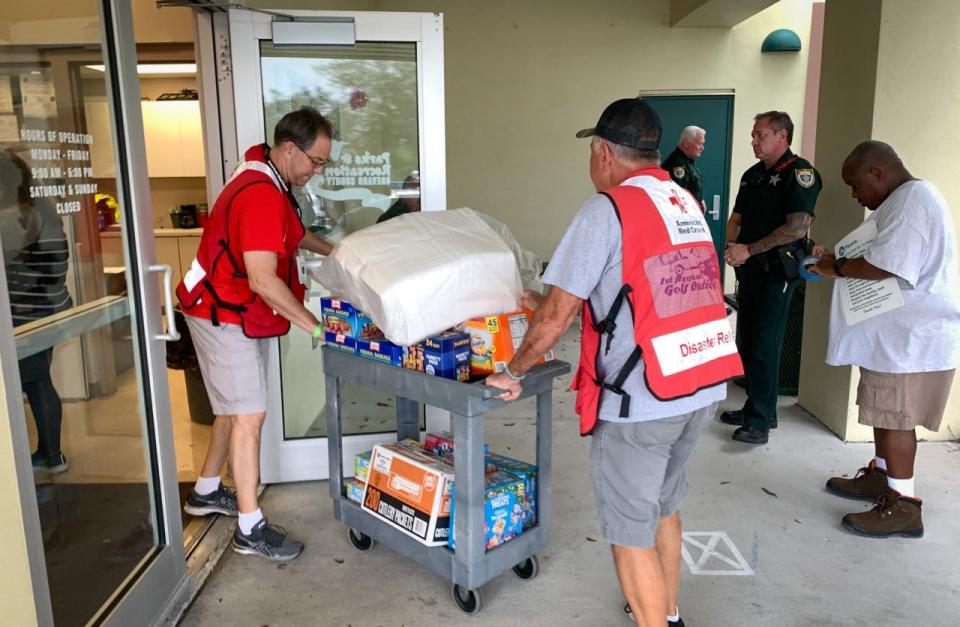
(172, 334)
(715, 212)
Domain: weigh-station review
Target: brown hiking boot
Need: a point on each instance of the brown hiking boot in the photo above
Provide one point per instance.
(893, 515)
(867, 485)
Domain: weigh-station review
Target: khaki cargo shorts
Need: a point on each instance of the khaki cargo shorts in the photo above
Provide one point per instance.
(232, 367)
(902, 401)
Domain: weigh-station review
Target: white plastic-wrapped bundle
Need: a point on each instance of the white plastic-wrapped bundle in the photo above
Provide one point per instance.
(424, 272)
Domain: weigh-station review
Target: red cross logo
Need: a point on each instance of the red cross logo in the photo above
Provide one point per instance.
(677, 200)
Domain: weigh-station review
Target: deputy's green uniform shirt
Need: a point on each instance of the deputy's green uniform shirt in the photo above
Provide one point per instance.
(766, 196)
(684, 173)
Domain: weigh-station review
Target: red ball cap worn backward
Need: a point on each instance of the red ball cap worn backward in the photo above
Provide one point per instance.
(629, 122)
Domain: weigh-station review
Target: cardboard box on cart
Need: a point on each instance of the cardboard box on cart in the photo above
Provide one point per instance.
(494, 341)
(410, 490)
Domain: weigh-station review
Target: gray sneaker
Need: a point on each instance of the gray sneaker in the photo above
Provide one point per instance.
(267, 541)
(54, 465)
(221, 501)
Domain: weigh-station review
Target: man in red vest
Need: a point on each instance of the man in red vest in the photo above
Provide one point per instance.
(639, 264)
(242, 289)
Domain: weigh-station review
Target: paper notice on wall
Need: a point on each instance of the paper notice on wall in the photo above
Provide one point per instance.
(8, 128)
(861, 299)
(6, 95)
(38, 95)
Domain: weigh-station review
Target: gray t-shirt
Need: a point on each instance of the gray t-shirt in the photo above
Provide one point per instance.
(589, 263)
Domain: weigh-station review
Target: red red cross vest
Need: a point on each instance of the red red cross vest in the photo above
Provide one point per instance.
(671, 283)
(227, 289)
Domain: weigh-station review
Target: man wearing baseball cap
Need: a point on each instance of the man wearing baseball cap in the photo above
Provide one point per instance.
(639, 264)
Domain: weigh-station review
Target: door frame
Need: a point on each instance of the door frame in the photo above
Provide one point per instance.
(726, 202)
(238, 34)
(161, 576)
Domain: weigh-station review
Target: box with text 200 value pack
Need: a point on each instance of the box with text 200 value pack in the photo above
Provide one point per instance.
(410, 490)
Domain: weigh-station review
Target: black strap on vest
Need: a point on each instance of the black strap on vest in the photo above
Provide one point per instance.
(617, 386)
(237, 274)
(608, 326)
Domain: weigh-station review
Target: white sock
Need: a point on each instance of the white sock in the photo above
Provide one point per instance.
(903, 486)
(248, 521)
(206, 485)
(672, 618)
(880, 462)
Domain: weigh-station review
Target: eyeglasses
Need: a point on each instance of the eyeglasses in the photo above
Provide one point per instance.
(315, 161)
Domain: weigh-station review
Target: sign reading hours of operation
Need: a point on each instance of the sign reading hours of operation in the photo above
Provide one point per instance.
(60, 167)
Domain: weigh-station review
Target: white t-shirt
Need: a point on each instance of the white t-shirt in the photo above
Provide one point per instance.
(916, 243)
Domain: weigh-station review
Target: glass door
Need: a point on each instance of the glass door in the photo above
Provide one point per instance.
(379, 78)
(82, 340)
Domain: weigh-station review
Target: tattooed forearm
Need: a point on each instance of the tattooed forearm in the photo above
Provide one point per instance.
(795, 228)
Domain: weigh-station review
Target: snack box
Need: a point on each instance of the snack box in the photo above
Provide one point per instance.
(411, 443)
(353, 490)
(381, 350)
(447, 355)
(502, 510)
(413, 357)
(441, 444)
(495, 339)
(361, 465)
(527, 473)
(410, 490)
(361, 461)
(344, 324)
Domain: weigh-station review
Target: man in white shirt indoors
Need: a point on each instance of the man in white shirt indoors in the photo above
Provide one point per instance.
(907, 356)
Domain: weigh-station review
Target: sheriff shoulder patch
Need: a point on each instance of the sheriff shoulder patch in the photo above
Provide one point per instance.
(806, 177)
(679, 172)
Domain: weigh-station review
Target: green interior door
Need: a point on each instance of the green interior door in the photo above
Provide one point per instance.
(714, 114)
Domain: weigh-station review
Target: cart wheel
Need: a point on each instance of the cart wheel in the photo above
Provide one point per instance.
(360, 541)
(528, 568)
(467, 600)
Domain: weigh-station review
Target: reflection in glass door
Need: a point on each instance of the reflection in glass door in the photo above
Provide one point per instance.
(369, 93)
(378, 92)
(81, 329)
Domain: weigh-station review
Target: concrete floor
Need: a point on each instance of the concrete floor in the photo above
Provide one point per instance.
(799, 566)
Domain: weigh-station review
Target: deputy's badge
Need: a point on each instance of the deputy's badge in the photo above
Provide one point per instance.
(679, 172)
(805, 177)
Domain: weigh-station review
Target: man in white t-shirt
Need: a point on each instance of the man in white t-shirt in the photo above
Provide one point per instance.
(906, 353)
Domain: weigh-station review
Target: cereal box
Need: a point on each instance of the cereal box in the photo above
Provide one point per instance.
(502, 512)
(353, 489)
(410, 490)
(495, 339)
(441, 444)
(361, 465)
(447, 355)
(528, 474)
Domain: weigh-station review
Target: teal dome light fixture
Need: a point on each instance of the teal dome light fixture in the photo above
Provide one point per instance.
(781, 40)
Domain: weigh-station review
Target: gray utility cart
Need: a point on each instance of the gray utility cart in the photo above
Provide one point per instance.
(471, 565)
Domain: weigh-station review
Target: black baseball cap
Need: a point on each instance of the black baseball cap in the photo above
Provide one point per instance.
(630, 122)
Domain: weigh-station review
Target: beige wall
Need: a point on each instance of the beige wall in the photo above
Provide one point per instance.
(16, 588)
(878, 83)
(56, 22)
(523, 77)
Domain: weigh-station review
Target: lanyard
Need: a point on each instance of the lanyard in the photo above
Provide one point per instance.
(283, 183)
